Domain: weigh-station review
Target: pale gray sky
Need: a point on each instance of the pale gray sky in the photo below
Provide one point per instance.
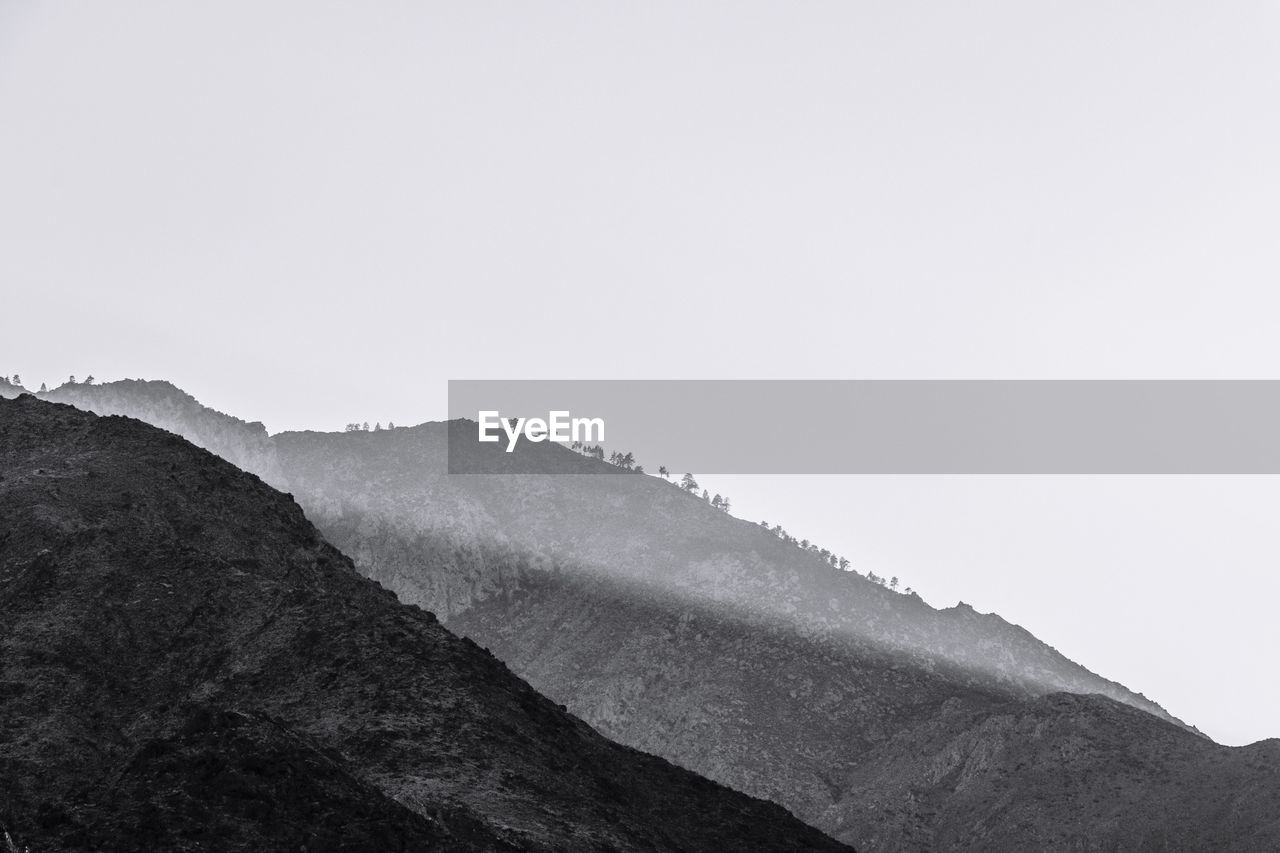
(310, 213)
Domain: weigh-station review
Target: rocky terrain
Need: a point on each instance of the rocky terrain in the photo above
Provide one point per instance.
(186, 664)
(866, 745)
(384, 498)
(678, 629)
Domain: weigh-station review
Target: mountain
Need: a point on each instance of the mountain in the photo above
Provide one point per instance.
(188, 665)
(868, 746)
(162, 404)
(373, 489)
(677, 629)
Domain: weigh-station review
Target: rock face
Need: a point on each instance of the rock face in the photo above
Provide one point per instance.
(677, 629)
(186, 664)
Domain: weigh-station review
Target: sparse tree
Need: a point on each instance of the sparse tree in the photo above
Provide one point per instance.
(844, 564)
(688, 483)
(705, 497)
(365, 426)
(377, 427)
(893, 582)
(72, 380)
(391, 425)
(639, 469)
(17, 380)
(89, 381)
(717, 501)
(44, 389)
(663, 472)
(724, 504)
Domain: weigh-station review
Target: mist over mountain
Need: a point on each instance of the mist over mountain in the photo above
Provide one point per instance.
(188, 665)
(162, 404)
(673, 627)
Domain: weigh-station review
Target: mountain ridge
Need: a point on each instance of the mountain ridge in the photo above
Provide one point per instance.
(582, 585)
(186, 658)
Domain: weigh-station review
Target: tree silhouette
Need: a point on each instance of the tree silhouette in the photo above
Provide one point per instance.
(663, 472)
(688, 483)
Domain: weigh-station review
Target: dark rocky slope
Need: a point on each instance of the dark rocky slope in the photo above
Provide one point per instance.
(677, 629)
(185, 664)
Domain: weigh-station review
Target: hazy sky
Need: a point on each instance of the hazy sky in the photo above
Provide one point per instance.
(312, 213)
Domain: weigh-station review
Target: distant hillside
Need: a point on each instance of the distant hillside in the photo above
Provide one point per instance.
(864, 744)
(379, 491)
(187, 665)
(245, 445)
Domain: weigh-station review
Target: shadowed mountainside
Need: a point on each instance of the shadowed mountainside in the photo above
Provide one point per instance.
(678, 629)
(186, 664)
